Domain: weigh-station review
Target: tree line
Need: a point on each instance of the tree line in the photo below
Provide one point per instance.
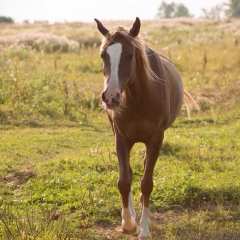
(175, 10)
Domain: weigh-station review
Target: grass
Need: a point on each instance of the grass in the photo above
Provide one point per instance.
(73, 176)
(58, 166)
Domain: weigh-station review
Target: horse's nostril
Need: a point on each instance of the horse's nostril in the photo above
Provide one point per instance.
(118, 96)
(115, 100)
(111, 100)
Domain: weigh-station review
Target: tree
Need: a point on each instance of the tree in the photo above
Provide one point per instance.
(173, 10)
(233, 8)
(4, 19)
(182, 11)
(215, 13)
(166, 10)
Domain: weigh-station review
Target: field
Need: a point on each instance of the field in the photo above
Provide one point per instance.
(58, 167)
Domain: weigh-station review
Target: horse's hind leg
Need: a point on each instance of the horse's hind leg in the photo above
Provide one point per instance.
(152, 152)
(123, 148)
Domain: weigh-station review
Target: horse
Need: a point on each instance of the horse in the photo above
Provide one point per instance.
(142, 95)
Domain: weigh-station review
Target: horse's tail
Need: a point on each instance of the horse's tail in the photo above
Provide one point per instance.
(190, 103)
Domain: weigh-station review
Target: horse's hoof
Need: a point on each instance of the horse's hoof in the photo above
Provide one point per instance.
(129, 227)
(144, 238)
(129, 230)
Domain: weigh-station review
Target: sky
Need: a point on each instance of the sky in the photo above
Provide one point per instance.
(86, 10)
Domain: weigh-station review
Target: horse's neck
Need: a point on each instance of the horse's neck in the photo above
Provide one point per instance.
(138, 91)
(138, 94)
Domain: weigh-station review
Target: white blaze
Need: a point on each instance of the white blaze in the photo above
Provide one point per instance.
(114, 51)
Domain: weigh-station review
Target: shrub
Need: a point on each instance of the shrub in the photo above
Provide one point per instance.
(4, 19)
(45, 42)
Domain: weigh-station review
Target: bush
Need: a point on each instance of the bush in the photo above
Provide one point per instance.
(39, 41)
(4, 19)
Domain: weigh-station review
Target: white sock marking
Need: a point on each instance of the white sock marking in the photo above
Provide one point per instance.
(130, 205)
(129, 215)
(114, 51)
(144, 223)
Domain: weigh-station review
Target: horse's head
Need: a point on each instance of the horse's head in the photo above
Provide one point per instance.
(118, 56)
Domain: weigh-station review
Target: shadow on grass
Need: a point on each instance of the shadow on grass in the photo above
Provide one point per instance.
(190, 228)
(53, 125)
(170, 149)
(184, 225)
(197, 198)
(196, 122)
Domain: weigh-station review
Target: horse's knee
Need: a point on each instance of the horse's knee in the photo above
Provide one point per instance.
(146, 186)
(124, 185)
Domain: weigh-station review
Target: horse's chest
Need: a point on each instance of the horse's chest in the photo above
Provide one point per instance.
(137, 130)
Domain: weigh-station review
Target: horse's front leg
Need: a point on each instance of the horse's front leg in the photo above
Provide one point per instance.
(123, 148)
(152, 152)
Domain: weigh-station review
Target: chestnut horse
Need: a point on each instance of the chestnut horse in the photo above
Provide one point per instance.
(142, 95)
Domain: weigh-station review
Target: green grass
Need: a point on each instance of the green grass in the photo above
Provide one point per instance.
(58, 166)
(73, 191)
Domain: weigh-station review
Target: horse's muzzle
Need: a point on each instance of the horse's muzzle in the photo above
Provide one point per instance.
(111, 101)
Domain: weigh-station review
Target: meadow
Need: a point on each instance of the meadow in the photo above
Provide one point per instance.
(58, 166)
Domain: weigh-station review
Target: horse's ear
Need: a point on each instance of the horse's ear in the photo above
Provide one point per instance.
(134, 31)
(101, 28)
